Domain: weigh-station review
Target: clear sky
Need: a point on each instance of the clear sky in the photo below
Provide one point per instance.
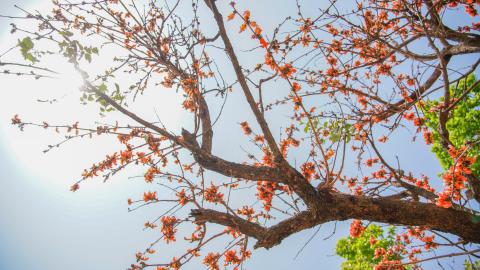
(44, 226)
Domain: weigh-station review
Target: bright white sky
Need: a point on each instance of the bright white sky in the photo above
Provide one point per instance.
(44, 226)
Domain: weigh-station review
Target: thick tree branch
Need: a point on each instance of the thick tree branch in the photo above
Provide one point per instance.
(337, 206)
(246, 227)
(227, 168)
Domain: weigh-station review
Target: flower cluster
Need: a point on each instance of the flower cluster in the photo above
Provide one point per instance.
(265, 192)
(168, 228)
(455, 178)
(211, 194)
(356, 228)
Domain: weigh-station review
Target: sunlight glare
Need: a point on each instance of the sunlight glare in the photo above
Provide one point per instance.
(57, 101)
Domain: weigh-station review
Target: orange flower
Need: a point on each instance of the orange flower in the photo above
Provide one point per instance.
(150, 174)
(246, 129)
(243, 27)
(295, 87)
(409, 116)
(231, 257)
(356, 228)
(125, 156)
(182, 197)
(287, 70)
(259, 138)
(428, 137)
(246, 14)
(369, 162)
(143, 158)
(168, 230)
(211, 261)
(265, 191)
(150, 225)
(308, 170)
(329, 154)
(418, 121)
(258, 30)
(410, 82)
(211, 194)
(263, 43)
(444, 200)
(383, 139)
(150, 196)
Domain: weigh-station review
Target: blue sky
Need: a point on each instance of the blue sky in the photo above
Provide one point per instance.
(43, 226)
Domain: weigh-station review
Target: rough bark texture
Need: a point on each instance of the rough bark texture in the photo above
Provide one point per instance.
(335, 206)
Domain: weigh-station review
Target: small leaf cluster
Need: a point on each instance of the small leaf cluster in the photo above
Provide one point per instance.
(74, 50)
(116, 95)
(26, 46)
(337, 130)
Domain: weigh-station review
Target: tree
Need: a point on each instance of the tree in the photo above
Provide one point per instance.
(344, 74)
(364, 251)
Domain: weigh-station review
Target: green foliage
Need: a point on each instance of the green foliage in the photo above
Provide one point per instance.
(359, 252)
(116, 95)
(463, 125)
(74, 50)
(26, 45)
(338, 129)
(472, 266)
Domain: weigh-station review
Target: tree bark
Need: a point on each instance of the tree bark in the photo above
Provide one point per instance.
(337, 206)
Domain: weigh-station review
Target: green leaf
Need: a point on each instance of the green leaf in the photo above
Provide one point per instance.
(66, 33)
(102, 88)
(307, 127)
(26, 45)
